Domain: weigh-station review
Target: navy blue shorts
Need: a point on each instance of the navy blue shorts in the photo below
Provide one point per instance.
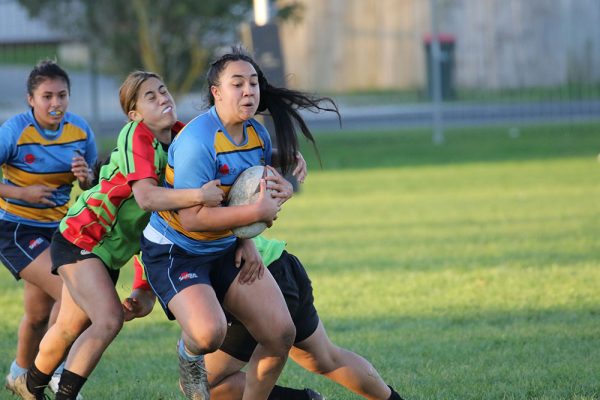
(292, 279)
(170, 269)
(20, 244)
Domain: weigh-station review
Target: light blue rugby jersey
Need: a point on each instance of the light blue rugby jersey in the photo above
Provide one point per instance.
(204, 151)
(30, 155)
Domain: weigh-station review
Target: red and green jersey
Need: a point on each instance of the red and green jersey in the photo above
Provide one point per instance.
(106, 220)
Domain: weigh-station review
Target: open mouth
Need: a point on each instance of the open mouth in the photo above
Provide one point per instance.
(56, 113)
(167, 110)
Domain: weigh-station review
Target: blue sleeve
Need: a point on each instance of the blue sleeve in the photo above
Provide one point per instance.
(91, 151)
(193, 160)
(7, 142)
(264, 134)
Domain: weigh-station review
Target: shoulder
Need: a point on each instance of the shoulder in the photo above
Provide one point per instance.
(259, 128)
(16, 124)
(204, 121)
(77, 120)
(201, 129)
(134, 129)
(135, 135)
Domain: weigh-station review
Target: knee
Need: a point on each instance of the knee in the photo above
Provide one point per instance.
(288, 335)
(37, 322)
(109, 325)
(324, 362)
(206, 339)
(281, 338)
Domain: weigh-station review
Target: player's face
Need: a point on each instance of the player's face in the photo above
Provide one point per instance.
(49, 102)
(237, 95)
(154, 106)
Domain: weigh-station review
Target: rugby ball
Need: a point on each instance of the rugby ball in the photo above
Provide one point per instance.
(246, 190)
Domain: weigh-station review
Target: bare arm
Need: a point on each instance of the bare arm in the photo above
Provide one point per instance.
(139, 304)
(300, 169)
(222, 218)
(280, 188)
(253, 267)
(151, 197)
(82, 171)
(34, 194)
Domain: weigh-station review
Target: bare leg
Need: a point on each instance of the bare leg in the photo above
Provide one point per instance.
(70, 323)
(41, 293)
(319, 355)
(38, 306)
(261, 308)
(226, 379)
(90, 287)
(201, 318)
(203, 328)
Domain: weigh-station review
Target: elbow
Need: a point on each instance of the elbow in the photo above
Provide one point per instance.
(187, 225)
(145, 203)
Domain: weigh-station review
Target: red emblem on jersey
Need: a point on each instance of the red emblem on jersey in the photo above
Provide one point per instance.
(29, 158)
(224, 169)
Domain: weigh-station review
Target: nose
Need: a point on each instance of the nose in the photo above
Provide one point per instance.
(56, 101)
(249, 90)
(164, 98)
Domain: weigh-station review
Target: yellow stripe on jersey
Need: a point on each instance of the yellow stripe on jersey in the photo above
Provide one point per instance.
(224, 145)
(22, 178)
(38, 214)
(70, 133)
(170, 175)
(172, 218)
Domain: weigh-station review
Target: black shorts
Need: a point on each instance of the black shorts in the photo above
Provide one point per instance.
(20, 244)
(64, 252)
(292, 279)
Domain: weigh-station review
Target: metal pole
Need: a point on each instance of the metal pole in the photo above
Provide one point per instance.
(436, 78)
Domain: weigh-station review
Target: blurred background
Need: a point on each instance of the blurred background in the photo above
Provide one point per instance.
(388, 63)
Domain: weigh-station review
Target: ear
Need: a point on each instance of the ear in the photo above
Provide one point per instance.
(214, 90)
(30, 100)
(135, 116)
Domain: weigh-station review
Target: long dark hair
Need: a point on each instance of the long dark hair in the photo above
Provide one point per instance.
(283, 105)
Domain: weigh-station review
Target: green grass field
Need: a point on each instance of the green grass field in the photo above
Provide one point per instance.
(463, 271)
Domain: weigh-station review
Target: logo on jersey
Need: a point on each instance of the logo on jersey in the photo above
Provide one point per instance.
(29, 158)
(85, 252)
(224, 169)
(187, 276)
(35, 243)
